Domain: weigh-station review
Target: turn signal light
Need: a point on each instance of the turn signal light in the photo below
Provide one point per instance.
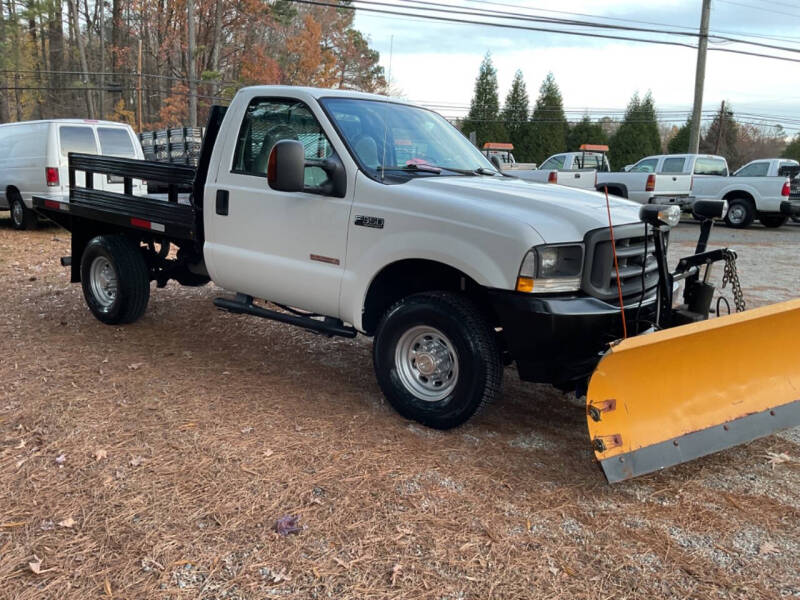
(524, 284)
(51, 176)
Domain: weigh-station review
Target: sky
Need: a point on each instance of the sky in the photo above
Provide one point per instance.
(435, 63)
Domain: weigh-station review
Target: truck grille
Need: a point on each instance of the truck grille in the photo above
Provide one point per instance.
(600, 277)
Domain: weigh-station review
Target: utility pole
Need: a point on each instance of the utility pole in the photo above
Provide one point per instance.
(191, 58)
(719, 128)
(699, 78)
(139, 88)
(102, 62)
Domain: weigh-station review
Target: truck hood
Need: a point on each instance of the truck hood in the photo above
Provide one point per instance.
(557, 213)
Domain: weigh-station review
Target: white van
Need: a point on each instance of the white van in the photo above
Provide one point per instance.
(33, 159)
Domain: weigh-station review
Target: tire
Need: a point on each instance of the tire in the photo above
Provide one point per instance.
(773, 221)
(22, 217)
(462, 372)
(740, 213)
(115, 279)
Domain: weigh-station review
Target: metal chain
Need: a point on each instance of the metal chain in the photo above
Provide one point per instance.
(731, 275)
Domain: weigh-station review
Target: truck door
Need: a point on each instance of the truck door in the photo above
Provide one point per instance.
(285, 247)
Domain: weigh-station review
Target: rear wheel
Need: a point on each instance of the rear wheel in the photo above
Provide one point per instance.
(115, 279)
(436, 359)
(773, 221)
(740, 213)
(22, 217)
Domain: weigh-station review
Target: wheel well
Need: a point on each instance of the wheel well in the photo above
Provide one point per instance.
(613, 190)
(412, 276)
(11, 190)
(740, 195)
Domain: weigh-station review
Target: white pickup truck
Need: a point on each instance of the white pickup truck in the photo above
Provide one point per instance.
(754, 191)
(642, 183)
(572, 169)
(352, 213)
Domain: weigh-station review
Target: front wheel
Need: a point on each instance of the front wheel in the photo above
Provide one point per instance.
(115, 279)
(436, 359)
(22, 217)
(773, 221)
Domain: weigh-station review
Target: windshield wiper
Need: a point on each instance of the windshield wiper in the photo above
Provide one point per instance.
(422, 168)
(485, 171)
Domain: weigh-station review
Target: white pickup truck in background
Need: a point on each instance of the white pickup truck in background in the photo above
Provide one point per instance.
(755, 191)
(642, 183)
(573, 169)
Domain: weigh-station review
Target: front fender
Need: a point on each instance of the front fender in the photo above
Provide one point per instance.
(469, 258)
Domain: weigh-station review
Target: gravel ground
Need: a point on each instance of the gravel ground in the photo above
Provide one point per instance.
(154, 460)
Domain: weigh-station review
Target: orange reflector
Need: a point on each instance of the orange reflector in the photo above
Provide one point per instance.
(524, 284)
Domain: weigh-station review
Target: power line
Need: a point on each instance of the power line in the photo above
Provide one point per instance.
(595, 16)
(447, 8)
(769, 10)
(529, 28)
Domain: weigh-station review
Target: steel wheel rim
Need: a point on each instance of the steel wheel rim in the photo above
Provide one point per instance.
(736, 214)
(17, 212)
(103, 282)
(426, 363)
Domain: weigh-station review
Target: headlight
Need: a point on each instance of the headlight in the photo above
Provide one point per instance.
(548, 269)
(656, 215)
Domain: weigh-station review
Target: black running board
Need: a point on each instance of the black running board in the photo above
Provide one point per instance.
(244, 305)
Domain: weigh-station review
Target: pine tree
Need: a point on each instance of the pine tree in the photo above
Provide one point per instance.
(585, 132)
(722, 137)
(679, 144)
(548, 123)
(484, 110)
(793, 149)
(638, 135)
(515, 118)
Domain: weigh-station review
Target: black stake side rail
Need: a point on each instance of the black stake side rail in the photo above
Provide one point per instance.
(174, 176)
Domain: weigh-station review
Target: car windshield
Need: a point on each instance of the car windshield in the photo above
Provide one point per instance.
(387, 136)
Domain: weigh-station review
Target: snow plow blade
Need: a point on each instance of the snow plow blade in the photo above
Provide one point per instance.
(665, 398)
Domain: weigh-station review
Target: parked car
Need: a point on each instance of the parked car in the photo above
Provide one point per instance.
(33, 159)
(749, 196)
(642, 183)
(502, 157)
(573, 169)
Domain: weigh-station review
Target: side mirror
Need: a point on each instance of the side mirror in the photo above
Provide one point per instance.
(627, 168)
(496, 162)
(286, 166)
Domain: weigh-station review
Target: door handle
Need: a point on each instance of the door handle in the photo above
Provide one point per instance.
(577, 175)
(222, 202)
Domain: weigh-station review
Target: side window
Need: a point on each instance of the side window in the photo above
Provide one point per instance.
(757, 169)
(77, 138)
(267, 121)
(673, 165)
(710, 166)
(645, 166)
(554, 162)
(115, 141)
(25, 141)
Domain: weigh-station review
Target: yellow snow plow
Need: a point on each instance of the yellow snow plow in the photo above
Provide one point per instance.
(694, 386)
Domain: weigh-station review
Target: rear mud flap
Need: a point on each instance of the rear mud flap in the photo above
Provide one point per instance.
(662, 399)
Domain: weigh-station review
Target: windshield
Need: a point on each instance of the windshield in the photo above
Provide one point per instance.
(385, 136)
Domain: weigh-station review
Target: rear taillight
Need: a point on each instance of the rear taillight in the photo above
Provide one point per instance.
(650, 186)
(552, 177)
(787, 189)
(51, 176)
